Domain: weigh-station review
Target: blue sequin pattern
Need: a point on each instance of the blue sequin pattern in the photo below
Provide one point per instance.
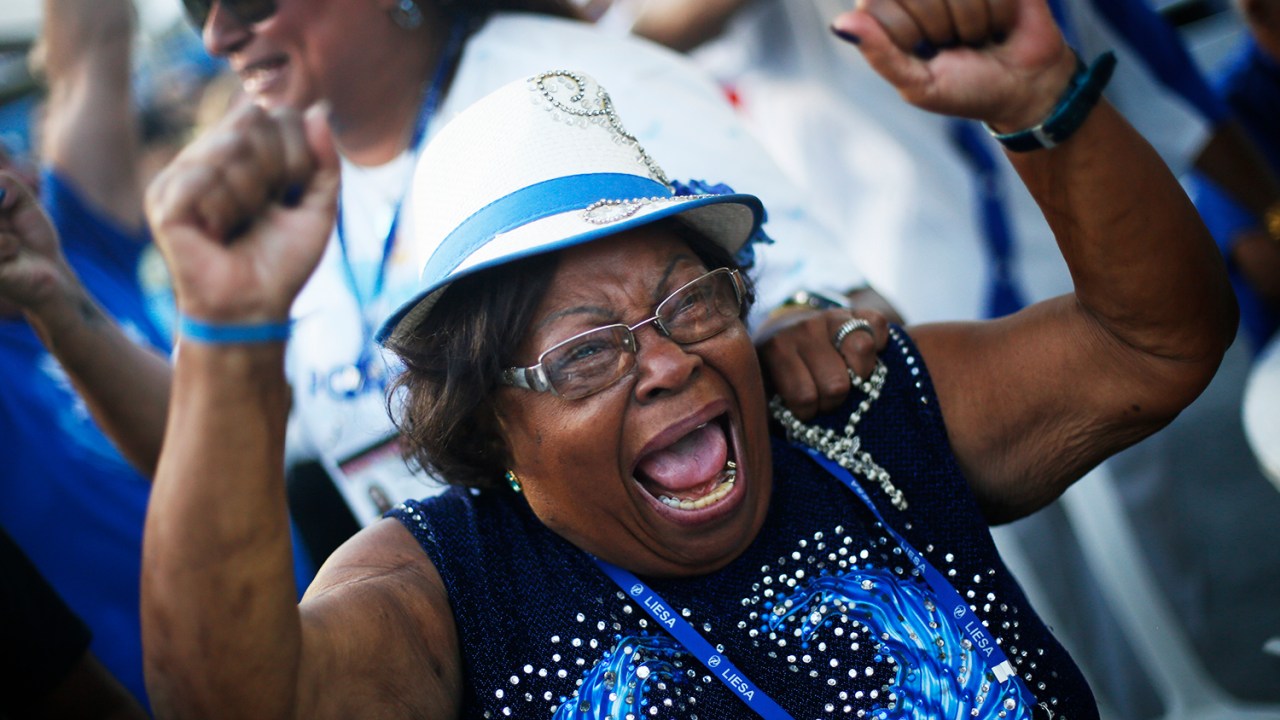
(935, 670)
(626, 678)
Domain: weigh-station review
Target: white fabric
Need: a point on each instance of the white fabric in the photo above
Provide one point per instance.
(328, 335)
(886, 175)
(1262, 410)
(680, 117)
(675, 111)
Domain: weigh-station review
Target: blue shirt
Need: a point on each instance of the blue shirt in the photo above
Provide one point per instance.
(67, 497)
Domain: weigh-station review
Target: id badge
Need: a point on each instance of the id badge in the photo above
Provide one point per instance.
(376, 478)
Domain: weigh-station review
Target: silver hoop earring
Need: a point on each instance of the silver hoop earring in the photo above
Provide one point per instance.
(407, 15)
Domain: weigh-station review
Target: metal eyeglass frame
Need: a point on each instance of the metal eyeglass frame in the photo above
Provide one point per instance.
(534, 377)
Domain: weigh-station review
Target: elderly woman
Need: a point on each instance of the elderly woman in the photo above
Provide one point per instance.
(636, 540)
(391, 72)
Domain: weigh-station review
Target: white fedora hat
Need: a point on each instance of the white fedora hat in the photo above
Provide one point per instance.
(540, 165)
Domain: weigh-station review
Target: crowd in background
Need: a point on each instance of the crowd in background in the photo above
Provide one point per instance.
(926, 208)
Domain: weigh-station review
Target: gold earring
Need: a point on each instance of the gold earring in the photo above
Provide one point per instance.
(514, 481)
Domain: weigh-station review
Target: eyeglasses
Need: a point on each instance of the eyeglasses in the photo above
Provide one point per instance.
(591, 361)
(246, 11)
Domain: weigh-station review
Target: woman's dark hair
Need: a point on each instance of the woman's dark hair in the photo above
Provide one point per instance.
(454, 359)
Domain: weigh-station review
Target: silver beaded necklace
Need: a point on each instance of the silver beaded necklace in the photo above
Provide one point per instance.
(845, 450)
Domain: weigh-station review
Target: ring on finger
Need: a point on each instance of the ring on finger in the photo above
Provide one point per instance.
(849, 327)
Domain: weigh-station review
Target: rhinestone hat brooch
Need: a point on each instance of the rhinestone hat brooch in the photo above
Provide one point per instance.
(552, 88)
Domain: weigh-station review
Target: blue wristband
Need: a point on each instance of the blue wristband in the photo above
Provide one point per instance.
(1069, 114)
(211, 333)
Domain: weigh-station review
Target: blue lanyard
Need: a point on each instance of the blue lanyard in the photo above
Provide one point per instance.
(683, 632)
(949, 599)
(429, 105)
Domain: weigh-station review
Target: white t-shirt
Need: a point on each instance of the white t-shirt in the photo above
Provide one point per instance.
(676, 112)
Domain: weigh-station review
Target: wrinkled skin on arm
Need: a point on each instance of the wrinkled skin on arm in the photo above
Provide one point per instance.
(242, 217)
(1034, 400)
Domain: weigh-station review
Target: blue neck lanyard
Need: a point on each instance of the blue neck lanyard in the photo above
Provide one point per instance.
(950, 602)
(683, 632)
(948, 598)
(354, 378)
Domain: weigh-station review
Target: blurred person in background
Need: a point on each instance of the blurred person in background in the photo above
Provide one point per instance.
(1250, 85)
(390, 73)
(67, 497)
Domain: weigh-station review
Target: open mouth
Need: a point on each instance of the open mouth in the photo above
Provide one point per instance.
(258, 76)
(695, 473)
(721, 487)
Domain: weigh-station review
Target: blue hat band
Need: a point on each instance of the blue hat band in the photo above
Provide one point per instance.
(530, 204)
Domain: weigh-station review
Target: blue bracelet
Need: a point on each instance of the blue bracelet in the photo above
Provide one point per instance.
(1069, 114)
(211, 333)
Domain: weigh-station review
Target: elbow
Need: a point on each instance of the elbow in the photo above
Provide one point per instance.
(1181, 376)
(1221, 325)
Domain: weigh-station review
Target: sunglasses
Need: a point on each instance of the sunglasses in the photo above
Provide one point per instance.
(246, 11)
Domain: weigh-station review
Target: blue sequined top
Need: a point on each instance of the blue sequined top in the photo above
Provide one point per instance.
(823, 611)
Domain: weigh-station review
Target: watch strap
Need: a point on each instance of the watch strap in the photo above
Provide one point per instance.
(1069, 114)
(817, 300)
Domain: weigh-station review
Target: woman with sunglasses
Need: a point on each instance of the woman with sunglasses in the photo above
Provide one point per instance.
(632, 538)
(390, 73)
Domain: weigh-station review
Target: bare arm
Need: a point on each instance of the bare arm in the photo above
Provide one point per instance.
(125, 385)
(90, 139)
(223, 635)
(683, 25)
(224, 638)
(1257, 256)
(90, 129)
(1034, 400)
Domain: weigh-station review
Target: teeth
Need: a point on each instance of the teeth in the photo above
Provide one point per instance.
(730, 474)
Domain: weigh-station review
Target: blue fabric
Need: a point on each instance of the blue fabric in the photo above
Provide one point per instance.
(1250, 84)
(530, 204)
(746, 255)
(1157, 43)
(810, 618)
(67, 497)
(1004, 295)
